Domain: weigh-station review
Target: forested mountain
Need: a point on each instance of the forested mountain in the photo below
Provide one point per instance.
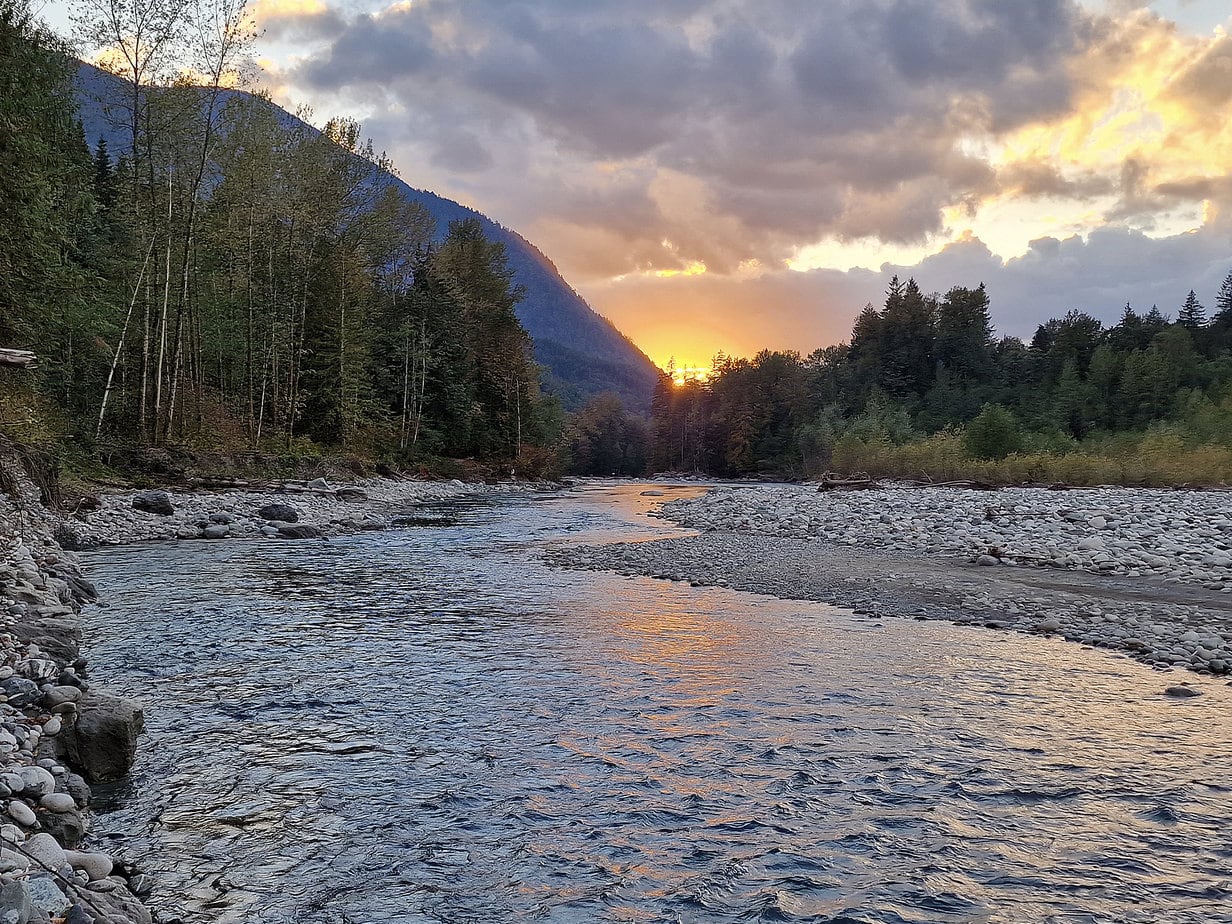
(237, 281)
(582, 353)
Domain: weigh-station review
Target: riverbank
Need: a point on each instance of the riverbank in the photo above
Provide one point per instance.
(58, 734)
(1140, 572)
(307, 510)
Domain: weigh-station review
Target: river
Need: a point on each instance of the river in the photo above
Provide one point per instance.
(431, 725)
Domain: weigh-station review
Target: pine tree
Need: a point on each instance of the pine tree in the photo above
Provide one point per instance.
(1192, 315)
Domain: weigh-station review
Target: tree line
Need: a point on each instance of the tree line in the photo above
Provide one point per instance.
(931, 366)
(236, 279)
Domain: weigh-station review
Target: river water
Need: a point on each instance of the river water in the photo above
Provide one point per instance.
(430, 725)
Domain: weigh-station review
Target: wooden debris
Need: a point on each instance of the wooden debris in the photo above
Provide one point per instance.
(858, 482)
(17, 359)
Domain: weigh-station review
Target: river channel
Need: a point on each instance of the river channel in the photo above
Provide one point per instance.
(431, 725)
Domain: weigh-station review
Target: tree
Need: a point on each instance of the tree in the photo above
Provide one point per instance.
(993, 434)
(604, 439)
(1192, 315)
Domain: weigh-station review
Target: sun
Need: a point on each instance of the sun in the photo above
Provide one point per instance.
(689, 374)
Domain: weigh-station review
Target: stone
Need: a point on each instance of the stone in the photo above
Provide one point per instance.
(37, 781)
(1182, 692)
(222, 518)
(46, 895)
(22, 814)
(281, 513)
(156, 502)
(351, 495)
(102, 743)
(58, 802)
(216, 531)
(987, 560)
(53, 726)
(44, 851)
(319, 484)
(95, 865)
(15, 905)
(68, 828)
(21, 692)
(299, 532)
(1051, 624)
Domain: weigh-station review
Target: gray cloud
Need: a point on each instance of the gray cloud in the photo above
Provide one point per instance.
(798, 119)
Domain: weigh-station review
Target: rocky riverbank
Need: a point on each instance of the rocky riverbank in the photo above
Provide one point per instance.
(309, 510)
(1154, 585)
(58, 734)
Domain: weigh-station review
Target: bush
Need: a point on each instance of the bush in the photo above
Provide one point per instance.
(994, 433)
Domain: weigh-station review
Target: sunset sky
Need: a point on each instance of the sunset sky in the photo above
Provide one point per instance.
(733, 175)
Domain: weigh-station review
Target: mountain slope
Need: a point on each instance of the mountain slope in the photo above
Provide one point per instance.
(581, 352)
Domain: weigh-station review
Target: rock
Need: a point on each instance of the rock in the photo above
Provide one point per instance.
(95, 865)
(21, 692)
(53, 726)
(37, 781)
(652, 494)
(281, 513)
(46, 895)
(102, 743)
(987, 560)
(1182, 692)
(22, 814)
(15, 905)
(1091, 544)
(216, 531)
(58, 802)
(156, 502)
(319, 484)
(1051, 624)
(299, 532)
(68, 828)
(351, 495)
(222, 518)
(44, 851)
(118, 904)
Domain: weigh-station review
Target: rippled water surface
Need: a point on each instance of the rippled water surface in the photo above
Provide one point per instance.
(430, 725)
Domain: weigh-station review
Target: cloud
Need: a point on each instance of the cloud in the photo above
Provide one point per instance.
(632, 139)
(792, 121)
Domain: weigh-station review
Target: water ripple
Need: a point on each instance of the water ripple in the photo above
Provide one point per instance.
(428, 725)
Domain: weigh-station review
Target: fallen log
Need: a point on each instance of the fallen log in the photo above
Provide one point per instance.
(861, 482)
(17, 359)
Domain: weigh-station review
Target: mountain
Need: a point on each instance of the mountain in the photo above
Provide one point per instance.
(581, 352)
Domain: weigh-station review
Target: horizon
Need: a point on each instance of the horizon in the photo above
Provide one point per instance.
(1072, 156)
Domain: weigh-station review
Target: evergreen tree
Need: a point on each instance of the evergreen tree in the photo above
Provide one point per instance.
(1192, 315)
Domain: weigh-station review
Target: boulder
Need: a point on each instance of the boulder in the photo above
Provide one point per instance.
(102, 743)
(351, 494)
(283, 513)
(216, 531)
(299, 532)
(156, 502)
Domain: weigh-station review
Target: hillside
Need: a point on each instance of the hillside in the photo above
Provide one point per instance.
(582, 353)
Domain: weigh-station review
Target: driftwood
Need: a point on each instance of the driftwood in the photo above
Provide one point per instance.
(859, 482)
(16, 359)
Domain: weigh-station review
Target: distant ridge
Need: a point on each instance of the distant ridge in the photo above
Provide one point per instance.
(581, 352)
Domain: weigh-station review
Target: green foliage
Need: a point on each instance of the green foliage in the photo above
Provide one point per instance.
(604, 439)
(1051, 410)
(993, 434)
(238, 282)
